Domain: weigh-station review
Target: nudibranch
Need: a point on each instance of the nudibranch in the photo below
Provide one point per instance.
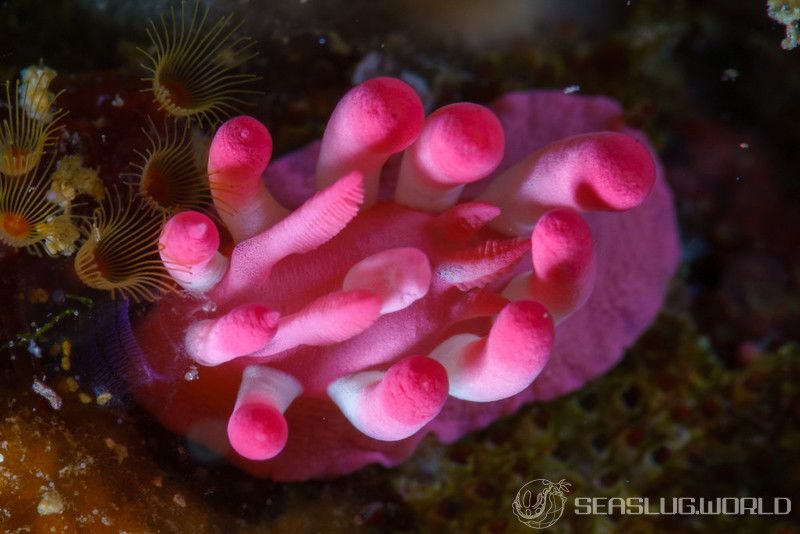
(404, 276)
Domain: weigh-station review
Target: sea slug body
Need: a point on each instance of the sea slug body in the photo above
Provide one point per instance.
(404, 276)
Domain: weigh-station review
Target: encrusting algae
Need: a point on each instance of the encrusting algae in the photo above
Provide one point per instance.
(669, 418)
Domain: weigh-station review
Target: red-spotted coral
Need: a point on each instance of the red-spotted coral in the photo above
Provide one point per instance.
(417, 290)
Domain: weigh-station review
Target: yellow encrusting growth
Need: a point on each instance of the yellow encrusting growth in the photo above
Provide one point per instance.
(193, 65)
(72, 384)
(169, 176)
(31, 122)
(60, 235)
(120, 253)
(66, 353)
(71, 179)
(35, 96)
(24, 209)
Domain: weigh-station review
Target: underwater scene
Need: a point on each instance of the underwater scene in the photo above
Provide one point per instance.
(479, 266)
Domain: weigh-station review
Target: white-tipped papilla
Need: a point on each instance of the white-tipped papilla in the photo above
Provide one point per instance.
(257, 429)
(564, 264)
(239, 153)
(371, 122)
(504, 362)
(460, 143)
(395, 404)
(188, 247)
(606, 171)
(240, 332)
(329, 319)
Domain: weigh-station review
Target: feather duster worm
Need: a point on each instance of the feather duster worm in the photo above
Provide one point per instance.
(506, 256)
(120, 250)
(25, 211)
(31, 124)
(193, 65)
(169, 177)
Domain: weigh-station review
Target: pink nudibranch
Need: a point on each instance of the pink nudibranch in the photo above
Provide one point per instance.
(510, 254)
(239, 153)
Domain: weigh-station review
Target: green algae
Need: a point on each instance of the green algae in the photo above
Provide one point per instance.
(671, 421)
(52, 321)
(787, 12)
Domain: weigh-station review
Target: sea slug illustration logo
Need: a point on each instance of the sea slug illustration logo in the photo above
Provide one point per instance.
(540, 503)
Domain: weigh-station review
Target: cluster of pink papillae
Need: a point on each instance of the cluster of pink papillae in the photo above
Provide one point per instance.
(406, 275)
